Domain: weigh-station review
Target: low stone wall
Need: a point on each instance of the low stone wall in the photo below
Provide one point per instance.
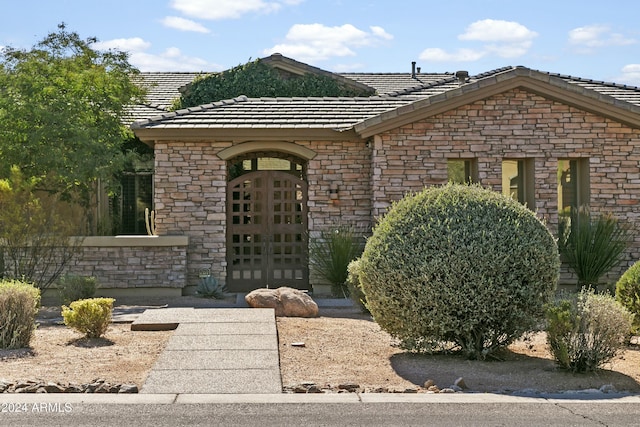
(134, 262)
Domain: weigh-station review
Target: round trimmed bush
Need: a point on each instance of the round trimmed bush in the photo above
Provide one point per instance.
(459, 267)
(628, 293)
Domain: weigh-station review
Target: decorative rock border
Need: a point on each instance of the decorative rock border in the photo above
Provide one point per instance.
(38, 386)
(310, 387)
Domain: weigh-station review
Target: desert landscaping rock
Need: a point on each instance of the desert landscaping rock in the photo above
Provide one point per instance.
(38, 386)
(286, 302)
(460, 383)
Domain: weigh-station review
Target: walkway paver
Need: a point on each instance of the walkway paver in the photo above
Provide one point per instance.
(214, 351)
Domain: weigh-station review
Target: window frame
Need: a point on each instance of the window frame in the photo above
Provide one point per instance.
(578, 172)
(470, 170)
(526, 180)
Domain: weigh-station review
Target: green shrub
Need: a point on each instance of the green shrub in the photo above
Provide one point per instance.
(19, 304)
(90, 317)
(355, 288)
(590, 245)
(331, 253)
(459, 267)
(587, 330)
(73, 287)
(628, 293)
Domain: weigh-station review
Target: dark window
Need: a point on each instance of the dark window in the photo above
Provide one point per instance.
(136, 196)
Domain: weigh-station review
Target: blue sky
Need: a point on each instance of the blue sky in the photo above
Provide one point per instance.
(597, 40)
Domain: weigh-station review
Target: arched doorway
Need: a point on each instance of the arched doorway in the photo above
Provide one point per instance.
(267, 222)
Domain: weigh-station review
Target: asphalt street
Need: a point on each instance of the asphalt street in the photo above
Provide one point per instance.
(317, 410)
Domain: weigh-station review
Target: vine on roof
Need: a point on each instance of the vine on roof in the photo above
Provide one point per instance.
(257, 79)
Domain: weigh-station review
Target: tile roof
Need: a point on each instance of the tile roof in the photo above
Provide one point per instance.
(626, 93)
(395, 90)
(269, 113)
(385, 83)
(163, 88)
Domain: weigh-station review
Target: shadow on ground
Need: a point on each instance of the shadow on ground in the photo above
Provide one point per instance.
(516, 373)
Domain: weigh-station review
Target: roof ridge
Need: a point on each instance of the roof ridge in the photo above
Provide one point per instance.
(495, 71)
(395, 73)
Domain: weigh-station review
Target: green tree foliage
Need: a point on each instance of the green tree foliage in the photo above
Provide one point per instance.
(257, 79)
(35, 242)
(62, 105)
(459, 267)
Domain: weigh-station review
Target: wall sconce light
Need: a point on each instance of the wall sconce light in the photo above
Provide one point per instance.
(333, 191)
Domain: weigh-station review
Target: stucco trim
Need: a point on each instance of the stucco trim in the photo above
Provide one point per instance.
(130, 241)
(188, 134)
(281, 146)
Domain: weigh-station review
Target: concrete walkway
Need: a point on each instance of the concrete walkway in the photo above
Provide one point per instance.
(214, 351)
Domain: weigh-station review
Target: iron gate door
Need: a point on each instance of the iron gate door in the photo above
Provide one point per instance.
(266, 231)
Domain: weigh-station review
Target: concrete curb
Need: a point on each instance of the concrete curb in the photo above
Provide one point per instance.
(320, 398)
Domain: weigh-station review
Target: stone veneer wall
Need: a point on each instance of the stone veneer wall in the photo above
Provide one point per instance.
(516, 124)
(190, 194)
(128, 262)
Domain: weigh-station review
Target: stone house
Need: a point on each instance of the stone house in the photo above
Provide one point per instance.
(244, 181)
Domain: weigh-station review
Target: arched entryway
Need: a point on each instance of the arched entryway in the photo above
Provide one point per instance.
(267, 222)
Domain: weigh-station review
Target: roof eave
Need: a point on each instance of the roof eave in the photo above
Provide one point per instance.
(542, 84)
(151, 136)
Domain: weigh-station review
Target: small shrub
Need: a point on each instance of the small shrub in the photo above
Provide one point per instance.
(209, 287)
(591, 245)
(587, 330)
(90, 317)
(19, 304)
(73, 287)
(459, 267)
(628, 293)
(331, 253)
(355, 288)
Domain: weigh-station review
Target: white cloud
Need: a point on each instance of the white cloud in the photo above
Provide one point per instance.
(171, 59)
(461, 55)
(380, 32)
(183, 24)
(505, 39)
(317, 42)
(590, 37)
(228, 9)
(491, 30)
(630, 75)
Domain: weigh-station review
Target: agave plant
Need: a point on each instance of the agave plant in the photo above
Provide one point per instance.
(209, 287)
(591, 246)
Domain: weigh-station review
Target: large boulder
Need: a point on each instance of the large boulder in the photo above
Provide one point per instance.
(287, 302)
